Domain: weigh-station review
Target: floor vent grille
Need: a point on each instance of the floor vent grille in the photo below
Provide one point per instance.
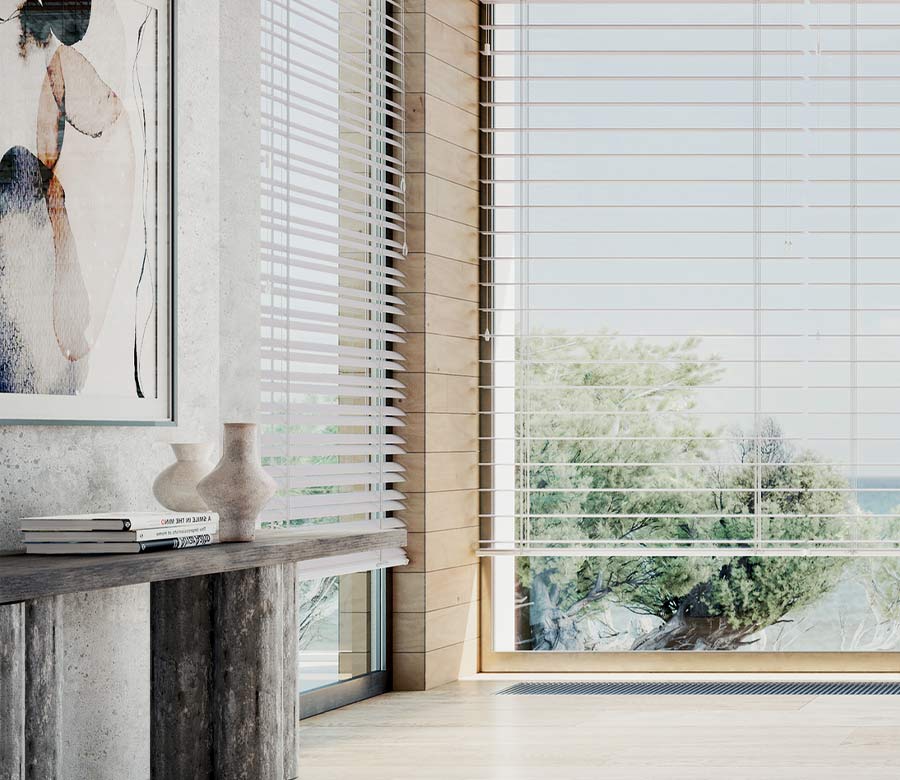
(795, 688)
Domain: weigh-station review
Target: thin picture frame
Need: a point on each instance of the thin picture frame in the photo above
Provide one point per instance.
(166, 166)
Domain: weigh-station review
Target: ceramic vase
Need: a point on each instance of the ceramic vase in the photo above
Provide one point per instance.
(176, 486)
(238, 487)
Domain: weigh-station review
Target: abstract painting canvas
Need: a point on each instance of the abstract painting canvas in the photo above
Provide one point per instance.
(85, 228)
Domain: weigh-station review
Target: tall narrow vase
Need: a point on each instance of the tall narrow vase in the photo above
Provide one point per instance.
(238, 487)
(176, 487)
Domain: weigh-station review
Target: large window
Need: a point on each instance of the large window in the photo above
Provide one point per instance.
(692, 314)
(332, 226)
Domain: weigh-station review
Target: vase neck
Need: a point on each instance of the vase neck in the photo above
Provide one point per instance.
(240, 439)
(190, 451)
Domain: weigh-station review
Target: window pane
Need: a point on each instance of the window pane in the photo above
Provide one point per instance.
(692, 323)
(775, 603)
(341, 628)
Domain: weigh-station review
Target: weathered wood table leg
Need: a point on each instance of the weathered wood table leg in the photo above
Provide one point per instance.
(181, 646)
(43, 688)
(291, 681)
(224, 685)
(12, 691)
(30, 689)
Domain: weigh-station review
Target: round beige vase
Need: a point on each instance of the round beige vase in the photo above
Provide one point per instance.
(176, 486)
(238, 487)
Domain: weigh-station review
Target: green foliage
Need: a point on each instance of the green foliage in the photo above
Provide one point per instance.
(617, 413)
(752, 593)
(603, 399)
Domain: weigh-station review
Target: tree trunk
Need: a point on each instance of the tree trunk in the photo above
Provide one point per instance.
(553, 628)
(692, 628)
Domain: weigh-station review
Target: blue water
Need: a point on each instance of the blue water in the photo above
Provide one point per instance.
(880, 502)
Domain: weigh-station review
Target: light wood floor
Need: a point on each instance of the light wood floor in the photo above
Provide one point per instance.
(462, 732)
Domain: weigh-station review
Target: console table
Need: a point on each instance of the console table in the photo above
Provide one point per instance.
(223, 635)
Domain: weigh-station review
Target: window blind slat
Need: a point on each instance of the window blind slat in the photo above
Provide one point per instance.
(334, 511)
(329, 440)
(362, 469)
(348, 381)
(288, 255)
(347, 271)
(300, 358)
(280, 390)
(348, 410)
(310, 328)
(343, 290)
(336, 320)
(345, 303)
(300, 479)
(324, 450)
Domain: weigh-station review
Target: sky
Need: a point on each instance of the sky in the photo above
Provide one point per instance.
(685, 156)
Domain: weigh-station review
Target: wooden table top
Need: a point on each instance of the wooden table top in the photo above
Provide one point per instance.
(25, 577)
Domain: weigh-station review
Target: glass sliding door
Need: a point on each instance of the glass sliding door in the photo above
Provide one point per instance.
(343, 639)
(341, 628)
(691, 330)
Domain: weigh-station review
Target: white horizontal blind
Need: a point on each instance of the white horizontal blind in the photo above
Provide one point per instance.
(692, 287)
(332, 227)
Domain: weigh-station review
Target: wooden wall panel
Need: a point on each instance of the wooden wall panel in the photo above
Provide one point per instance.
(435, 601)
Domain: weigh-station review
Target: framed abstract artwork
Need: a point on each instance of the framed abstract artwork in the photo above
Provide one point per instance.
(86, 212)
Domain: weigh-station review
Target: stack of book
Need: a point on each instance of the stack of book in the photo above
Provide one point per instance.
(119, 532)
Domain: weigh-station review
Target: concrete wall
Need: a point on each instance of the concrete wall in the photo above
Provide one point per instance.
(238, 148)
(47, 469)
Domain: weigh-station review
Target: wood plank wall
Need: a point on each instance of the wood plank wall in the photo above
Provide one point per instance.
(435, 597)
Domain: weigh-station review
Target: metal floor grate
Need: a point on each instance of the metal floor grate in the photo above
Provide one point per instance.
(725, 688)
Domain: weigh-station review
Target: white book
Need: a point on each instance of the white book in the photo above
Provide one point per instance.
(117, 521)
(95, 548)
(139, 535)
